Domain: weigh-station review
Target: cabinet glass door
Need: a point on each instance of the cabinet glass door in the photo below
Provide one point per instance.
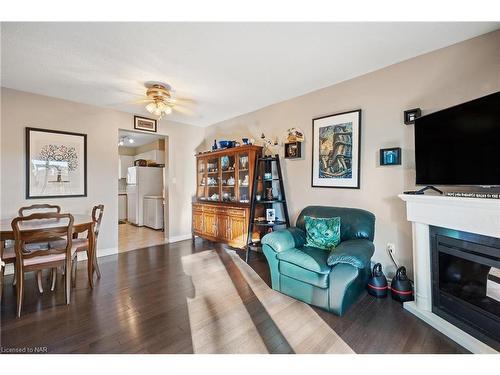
(213, 179)
(228, 178)
(243, 178)
(201, 190)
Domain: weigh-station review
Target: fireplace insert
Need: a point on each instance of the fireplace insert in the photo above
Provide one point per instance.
(466, 282)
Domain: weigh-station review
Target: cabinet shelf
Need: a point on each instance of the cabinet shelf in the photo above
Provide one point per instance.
(269, 202)
(268, 158)
(266, 224)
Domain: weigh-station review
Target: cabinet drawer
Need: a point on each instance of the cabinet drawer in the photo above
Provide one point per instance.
(209, 209)
(235, 212)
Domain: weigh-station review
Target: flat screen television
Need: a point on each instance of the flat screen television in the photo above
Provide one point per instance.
(460, 145)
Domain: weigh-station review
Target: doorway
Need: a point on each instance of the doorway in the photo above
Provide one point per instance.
(142, 190)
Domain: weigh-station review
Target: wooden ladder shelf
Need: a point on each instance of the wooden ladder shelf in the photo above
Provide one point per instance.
(264, 164)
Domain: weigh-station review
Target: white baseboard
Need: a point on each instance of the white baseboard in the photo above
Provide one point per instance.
(179, 238)
(9, 268)
(456, 334)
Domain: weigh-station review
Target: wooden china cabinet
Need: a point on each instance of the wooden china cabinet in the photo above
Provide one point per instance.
(221, 211)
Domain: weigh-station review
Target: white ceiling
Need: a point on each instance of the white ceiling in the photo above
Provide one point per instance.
(140, 138)
(227, 69)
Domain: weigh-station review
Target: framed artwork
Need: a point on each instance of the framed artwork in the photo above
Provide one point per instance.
(390, 156)
(293, 150)
(56, 164)
(336, 151)
(270, 215)
(411, 115)
(144, 123)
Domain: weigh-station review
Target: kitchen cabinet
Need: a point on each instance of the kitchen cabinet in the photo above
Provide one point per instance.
(158, 156)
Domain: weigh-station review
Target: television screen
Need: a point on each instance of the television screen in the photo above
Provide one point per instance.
(460, 145)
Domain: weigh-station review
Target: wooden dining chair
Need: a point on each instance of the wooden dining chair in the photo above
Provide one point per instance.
(82, 244)
(41, 208)
(37, 260)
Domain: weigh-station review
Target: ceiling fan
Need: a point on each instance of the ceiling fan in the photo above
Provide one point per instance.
(161, 99)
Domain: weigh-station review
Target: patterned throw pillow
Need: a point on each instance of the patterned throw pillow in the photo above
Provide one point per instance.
(323, 233)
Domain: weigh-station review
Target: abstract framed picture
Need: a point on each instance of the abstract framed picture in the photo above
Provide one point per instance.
(56, 164)
(336, 151)
(144, 123)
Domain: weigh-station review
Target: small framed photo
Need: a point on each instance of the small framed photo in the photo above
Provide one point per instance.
(270, 215)
(411, 115)
(390, 156)
(144, 123)
(293, 150)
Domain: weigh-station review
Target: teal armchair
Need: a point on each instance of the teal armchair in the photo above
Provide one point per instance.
(332, 280)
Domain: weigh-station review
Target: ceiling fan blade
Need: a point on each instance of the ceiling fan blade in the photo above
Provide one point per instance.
(183, 100)
(184, 110)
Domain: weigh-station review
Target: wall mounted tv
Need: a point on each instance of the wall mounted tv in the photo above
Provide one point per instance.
(460, 145)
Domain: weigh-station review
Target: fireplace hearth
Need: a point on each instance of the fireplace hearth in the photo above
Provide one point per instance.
(465, 269)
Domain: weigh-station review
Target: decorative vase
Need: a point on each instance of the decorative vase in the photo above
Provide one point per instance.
(269, 194)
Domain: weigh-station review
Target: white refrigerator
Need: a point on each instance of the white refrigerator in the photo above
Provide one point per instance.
(142, 181)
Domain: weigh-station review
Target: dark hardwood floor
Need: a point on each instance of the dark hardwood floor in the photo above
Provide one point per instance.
(139, 306)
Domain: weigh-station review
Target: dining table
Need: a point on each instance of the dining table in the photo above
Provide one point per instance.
(82, 223)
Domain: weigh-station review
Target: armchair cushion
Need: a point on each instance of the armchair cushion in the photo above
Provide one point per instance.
(323, 233)
(285, 239)
(355, 223)
(356, 253)
(309, 258)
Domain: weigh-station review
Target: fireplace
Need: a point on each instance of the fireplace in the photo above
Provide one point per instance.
(465, 271)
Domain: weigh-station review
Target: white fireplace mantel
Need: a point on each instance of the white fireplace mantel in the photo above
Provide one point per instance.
(474, 215)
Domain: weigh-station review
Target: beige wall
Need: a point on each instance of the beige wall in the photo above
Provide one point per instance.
(21, 109)
(433, 81)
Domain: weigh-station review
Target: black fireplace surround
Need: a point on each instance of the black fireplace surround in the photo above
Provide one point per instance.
(466, 282)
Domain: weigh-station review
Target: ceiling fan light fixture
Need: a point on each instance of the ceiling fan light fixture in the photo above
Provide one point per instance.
(161, 100)
(151, 107)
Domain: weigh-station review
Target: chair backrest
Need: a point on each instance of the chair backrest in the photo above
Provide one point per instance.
(97, 212)
(38, 227)
(39, 208)
(354, 222)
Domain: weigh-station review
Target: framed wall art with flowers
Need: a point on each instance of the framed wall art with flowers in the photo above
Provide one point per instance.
(56, 164)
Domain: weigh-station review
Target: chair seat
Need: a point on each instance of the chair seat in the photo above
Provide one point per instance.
(310, 258)
(306, 264)
(47, 258)
(78, 244)
(9, 253)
